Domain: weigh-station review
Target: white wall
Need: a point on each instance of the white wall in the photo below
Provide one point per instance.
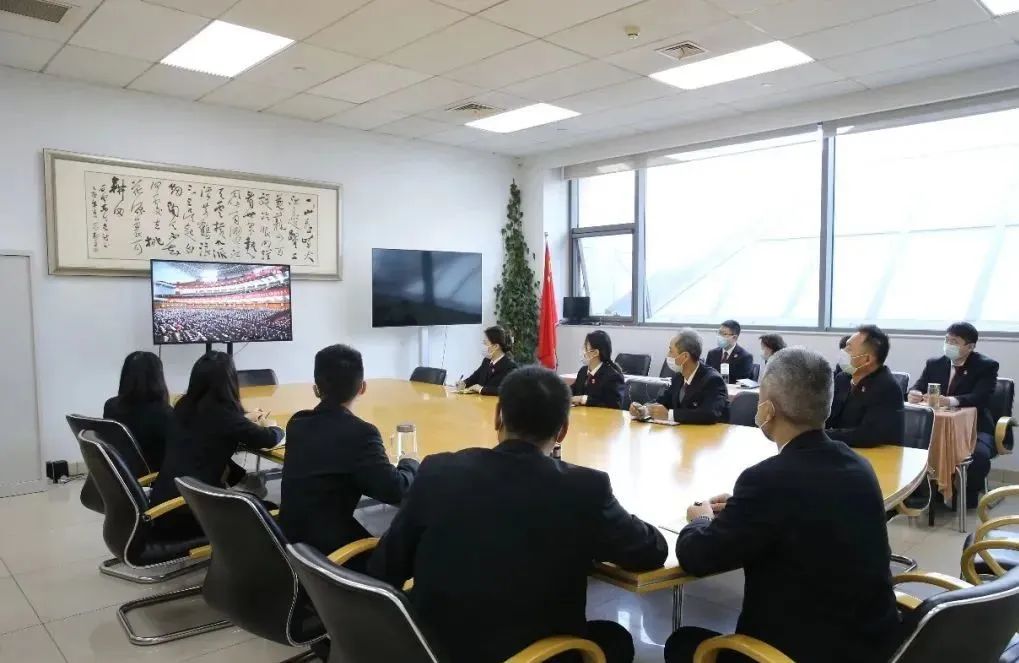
(397, 193)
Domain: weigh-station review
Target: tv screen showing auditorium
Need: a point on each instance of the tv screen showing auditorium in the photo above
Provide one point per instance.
(213, 302)
(425, 288)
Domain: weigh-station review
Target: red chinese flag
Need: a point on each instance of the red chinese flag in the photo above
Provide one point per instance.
(548, 317)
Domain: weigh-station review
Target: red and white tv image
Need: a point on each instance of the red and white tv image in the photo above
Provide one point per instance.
(211, 302)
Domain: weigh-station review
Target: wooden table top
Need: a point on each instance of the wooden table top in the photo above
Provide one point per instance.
(656, 471)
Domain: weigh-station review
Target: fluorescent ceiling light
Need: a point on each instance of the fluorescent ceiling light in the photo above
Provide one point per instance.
(739, 148)
(523, 118)
(1001, 7)
(225, 49)
(733, 66)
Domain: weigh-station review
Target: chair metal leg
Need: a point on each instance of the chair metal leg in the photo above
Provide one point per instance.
(677, 607)
(148, 640)
(117, 569)
(302, 657)
(960, 500)
(907, 562)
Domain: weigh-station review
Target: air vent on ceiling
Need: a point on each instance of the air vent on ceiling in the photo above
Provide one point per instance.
(40, 9)
(474, 109)
(680, 51)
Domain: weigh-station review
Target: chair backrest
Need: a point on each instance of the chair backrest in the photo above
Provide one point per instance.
(256, 377)
(1001, 405)
(666, 372)
(250, 579)
(634, 364)
(429, 375)
(119, 437)
(122, 496)
(903, 380)
(755, 373)
(919, 426)
(367, 620)
(973, 624)
(743, 409)
(644, 390)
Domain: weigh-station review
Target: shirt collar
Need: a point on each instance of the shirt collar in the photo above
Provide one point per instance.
(496, 361)
(692, 375)
(591, 371)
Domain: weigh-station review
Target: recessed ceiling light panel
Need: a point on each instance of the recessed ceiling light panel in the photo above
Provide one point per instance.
(225, 49)
(733, 66)
(1001, 7)
(523, 118)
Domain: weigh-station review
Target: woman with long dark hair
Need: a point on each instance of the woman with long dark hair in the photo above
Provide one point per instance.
(770, 344)
(600, 382)
(497, 345)
(210, 427)
(142, 404)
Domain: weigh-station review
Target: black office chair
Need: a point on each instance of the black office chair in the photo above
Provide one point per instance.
(903, 380)
(128, 525)
(967, 623)
(119, 437)
(634, 364)
(368, 620)
(743, 409)
(666, 372)
(918, 423)
(755, 373)
(994, 559)
(644, 390)
(1001, 409)
(429, 375)
(250, 580)
(257, 377)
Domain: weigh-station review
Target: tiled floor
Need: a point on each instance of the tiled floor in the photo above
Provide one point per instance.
(56, 607)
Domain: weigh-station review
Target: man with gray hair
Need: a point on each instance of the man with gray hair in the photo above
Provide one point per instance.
(697, 394)
(808, 528)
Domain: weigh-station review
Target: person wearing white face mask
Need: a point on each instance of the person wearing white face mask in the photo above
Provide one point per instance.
(967, 379)
(730, 358)
(600, 382)
(497, 364)
(697, 394)
(867, 409)
(814, 508)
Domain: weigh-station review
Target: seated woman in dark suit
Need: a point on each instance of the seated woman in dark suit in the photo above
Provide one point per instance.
(497, 364)
(142, 404)
(210, 427)
(600, 381)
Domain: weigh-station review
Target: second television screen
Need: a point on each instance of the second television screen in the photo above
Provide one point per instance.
(211, 302)
(425, 288)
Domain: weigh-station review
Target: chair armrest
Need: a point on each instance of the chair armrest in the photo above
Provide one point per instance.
(164, 508)
(1001, 432)
(993, 524)
(937, 579)
(992, 498)
(351, 550)
(906, 601)
(275, 513)
(147, 480)
(968, 562)
(201, 552)
(546, 648)
(752, 648)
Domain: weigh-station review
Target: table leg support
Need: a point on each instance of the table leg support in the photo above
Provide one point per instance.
(677, 607)
(960, 500)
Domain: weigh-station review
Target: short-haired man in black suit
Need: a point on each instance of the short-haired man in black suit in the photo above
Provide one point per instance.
(967, 379)
(334, 457)
(739, 362)
(500, 541)
(807, 526)
(697, 394)
(867, 410)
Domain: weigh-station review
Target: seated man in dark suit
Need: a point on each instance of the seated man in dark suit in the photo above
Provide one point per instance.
(867, 410)
(808, 528)
(500, 541)
(333, 458)
(730, 355)
(697, 394)
(968, 379)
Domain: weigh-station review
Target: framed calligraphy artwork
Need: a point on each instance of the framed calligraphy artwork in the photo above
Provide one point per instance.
(110, 217)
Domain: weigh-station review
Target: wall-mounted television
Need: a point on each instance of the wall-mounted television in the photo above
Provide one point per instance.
(425, 288)
(214, 302)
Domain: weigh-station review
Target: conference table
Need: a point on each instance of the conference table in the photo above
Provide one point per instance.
(656, 470)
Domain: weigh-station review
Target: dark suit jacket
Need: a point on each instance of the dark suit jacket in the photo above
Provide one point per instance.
(489, 376)
(705, 401)
(808, 528)
(500, 543)
(149, 423)
(333, 458)
(202, 444)
(974, 386)
(604, 389)
(869, 415)
(741, 363)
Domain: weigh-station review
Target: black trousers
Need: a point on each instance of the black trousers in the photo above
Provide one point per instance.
(983, 452)
(682, 644)
(614, 640)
